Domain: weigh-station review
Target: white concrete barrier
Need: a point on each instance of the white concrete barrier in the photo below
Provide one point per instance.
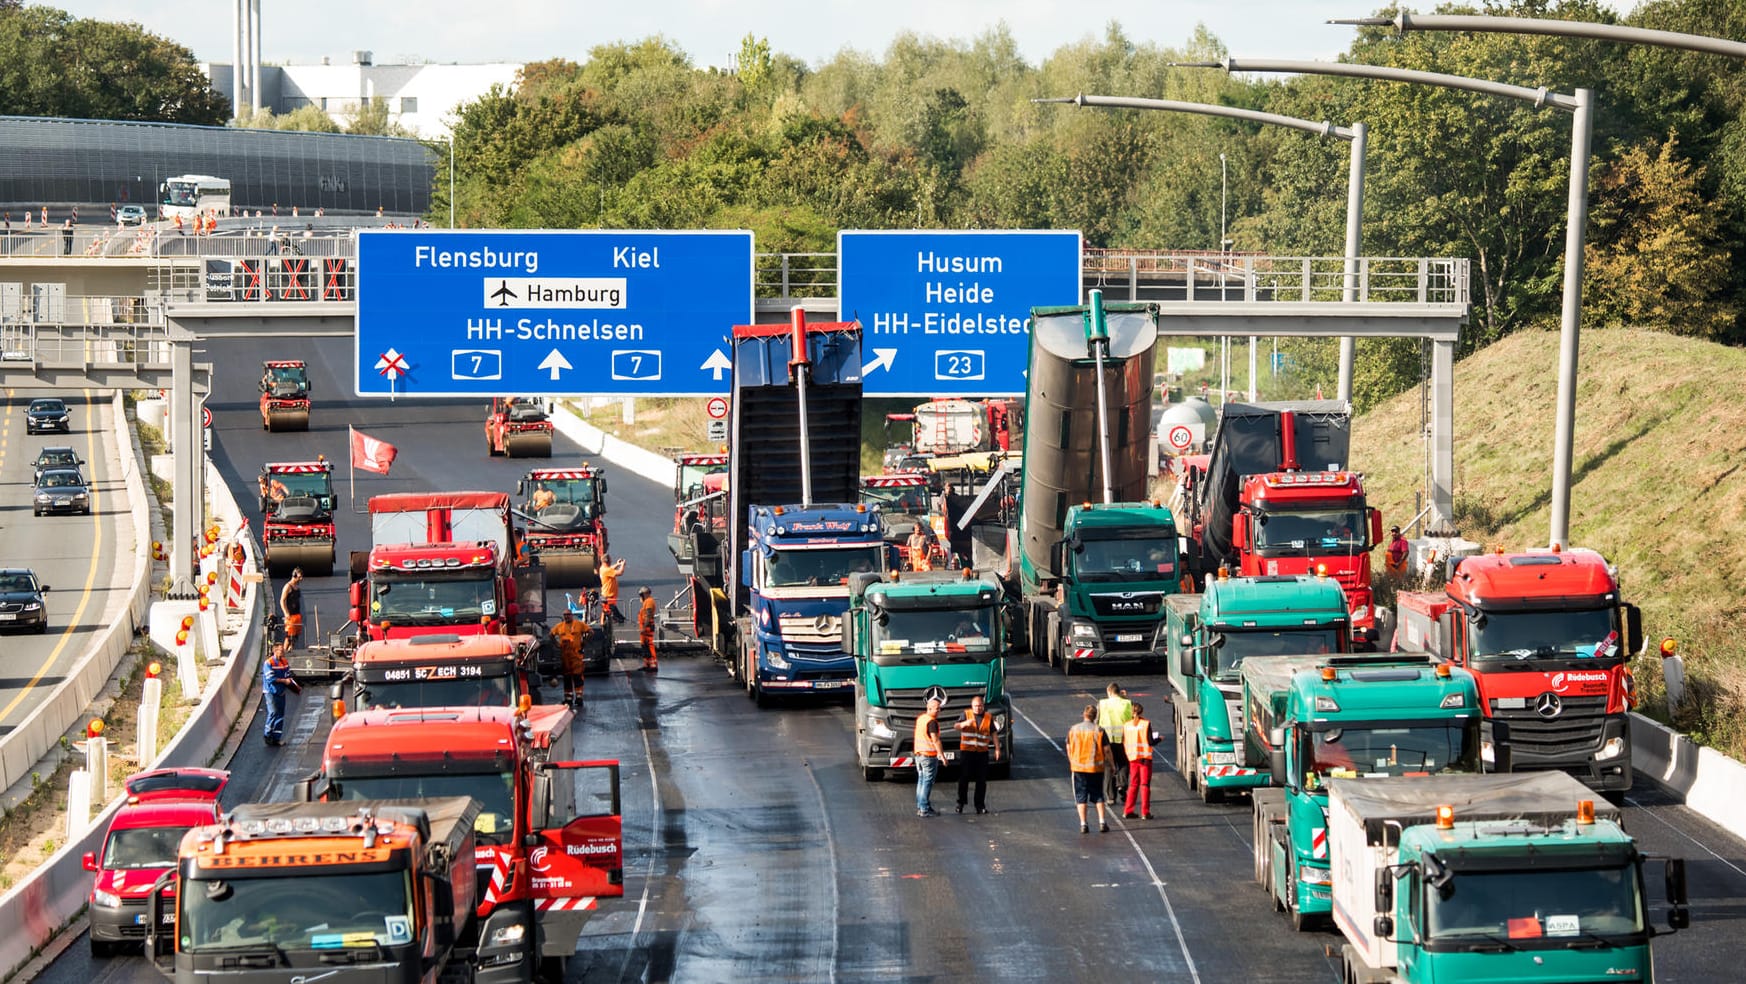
(624, 454)
(39, 906)
(1712, 784)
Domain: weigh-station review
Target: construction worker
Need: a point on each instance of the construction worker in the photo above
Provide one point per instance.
(918, 549)
(276, 679)
(646, 629)
(571, 634)
(978, 740)
(543, 497)
(1113, 711)
(927, 757)
(291, 605)
(610, 572)
(1137, 738)
(1395, 561)
(1085, 757)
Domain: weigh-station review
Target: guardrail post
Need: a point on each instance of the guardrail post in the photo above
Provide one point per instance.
(78, 803)
(97, 761)
(151, 700)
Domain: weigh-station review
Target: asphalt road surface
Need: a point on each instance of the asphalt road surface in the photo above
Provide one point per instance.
(75, 555)
(754, 850)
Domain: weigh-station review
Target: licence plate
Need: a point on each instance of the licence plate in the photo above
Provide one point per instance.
(8, 617)
(1127, 637)
(139, 919)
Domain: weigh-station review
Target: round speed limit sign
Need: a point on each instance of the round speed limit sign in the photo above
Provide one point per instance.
(1180, 438)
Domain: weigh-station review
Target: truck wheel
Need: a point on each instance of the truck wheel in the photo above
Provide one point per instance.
(1209, 795)
(1300, 922)
(872, 773)
(759, 697)
(1189, 764)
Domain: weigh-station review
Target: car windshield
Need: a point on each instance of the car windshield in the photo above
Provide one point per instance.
(570, 491)
(1539, 635)
(1232, 646)
(1125, 559)
(47, 406)
(288, 374)
(786, 568)
(460, 692)
(60, 479)
(1539, 903)
(432, 600)
(16, 582)
(908, 499)
(142, 847)
(695, 481)
(946, 635)
(495, 792)
(1376, 749)
(1305, 533)
(293, 910)
(51, 459)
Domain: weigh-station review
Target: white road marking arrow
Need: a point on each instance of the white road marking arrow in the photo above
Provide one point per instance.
(882, 359)
(555, 361)
(718, 362)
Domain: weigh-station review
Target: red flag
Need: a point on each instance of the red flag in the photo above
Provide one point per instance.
(371, 454)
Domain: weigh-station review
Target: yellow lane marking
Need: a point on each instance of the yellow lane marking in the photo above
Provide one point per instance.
(90, 579)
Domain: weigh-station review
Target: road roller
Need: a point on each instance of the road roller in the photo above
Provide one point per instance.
(517, 427)
(284, 395)
(297, 509)
(564, 510)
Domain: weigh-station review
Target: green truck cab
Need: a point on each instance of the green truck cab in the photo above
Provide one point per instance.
(1317, 718)
(920, 635)
(1497, 877)
(1210, 635)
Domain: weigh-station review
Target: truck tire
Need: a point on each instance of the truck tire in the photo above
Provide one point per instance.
(1300, 922)
(552, 970)
(872, 773)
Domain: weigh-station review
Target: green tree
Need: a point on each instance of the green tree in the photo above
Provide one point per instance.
(52, 64)
(373, 119)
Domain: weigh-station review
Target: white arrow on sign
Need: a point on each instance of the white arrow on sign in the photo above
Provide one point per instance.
(555, 362)
(882, 359)
(718, 362)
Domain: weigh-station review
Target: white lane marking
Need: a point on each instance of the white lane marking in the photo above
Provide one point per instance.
(1649, 812)
(1158, 883)
(654, 832)
(308, 717)
(824, 815)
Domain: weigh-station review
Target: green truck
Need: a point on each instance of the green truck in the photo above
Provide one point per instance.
(1317, 718)
(1520, 877)
(920, 635)
(1210, 636)
(1095, 559)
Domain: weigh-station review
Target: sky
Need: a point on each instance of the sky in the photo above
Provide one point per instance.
(468, 31)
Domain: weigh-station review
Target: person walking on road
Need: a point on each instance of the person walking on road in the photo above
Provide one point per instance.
(646, 630)
(1395, 561)
(291, 605)
(927, 758)
(1086, 743)
(571, 634)
(1112, 712)
(978, 739)
(1137, 739)
(276, 679)
(610, 572)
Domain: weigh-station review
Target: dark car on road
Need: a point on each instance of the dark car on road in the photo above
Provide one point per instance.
(61, 490)
(21, 602)
(56, 457)
(47, 414)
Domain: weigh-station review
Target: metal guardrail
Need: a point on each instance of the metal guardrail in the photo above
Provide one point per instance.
(1203, 276)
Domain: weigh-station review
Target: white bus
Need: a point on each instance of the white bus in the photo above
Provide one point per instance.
(190, 195)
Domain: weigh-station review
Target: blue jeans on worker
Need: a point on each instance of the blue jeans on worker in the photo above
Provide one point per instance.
(275, 701)
(926, 768)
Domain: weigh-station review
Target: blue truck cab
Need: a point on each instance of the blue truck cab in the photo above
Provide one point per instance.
(796, 570)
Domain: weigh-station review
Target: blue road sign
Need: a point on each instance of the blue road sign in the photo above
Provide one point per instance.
(443, 313)
(948, 313)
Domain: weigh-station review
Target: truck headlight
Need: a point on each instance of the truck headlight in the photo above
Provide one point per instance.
(508, 935)
(1486, 753)
(774, 658)
(1083, 632)
(1360, 613)
(108, 900)
(877, 727)
(1315, 876)
(1611, 750)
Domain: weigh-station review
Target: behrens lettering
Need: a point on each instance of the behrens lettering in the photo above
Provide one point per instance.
(361, 856)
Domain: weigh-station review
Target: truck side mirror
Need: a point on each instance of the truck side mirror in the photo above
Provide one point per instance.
(746, 568)
(1383, 927)
(847, 641)
(602, 484)
(1633, 617)
(540, 801)
(1276, 756)
(1375, 526)
(1185, 656)
(1240, 531)
(1058, 556)
(521, 487)
(1384, 890)
(159, 944)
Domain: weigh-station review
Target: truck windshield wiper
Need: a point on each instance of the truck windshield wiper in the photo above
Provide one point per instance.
(1497, 943)
(359, 953)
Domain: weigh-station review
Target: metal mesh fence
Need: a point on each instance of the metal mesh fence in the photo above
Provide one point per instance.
(58, 162)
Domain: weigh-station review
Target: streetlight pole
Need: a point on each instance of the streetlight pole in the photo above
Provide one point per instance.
(1224, 200)
(1579, 104)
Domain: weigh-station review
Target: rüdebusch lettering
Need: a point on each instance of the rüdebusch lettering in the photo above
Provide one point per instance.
(548, 330)
(484, 258)
(585, 850)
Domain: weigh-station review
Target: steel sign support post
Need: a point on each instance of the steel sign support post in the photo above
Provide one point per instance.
(1354, 218)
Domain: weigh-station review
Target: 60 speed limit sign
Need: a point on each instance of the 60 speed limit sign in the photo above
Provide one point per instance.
(1179, 438)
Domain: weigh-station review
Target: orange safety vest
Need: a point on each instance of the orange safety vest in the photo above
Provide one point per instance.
(570, 636)
(609, 582)
(1137, 739)
(927, 735)
(976, 734)
(646, 617)
(1085, 747)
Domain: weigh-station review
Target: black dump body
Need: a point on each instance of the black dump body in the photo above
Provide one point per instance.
(1248, 443)
(765, 468)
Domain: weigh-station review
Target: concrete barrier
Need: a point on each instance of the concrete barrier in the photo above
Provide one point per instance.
(624, 454)
(1712, 784)
(63, 707)
(54, 894)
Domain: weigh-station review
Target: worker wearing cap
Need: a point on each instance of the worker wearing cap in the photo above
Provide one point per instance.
(276, 679)
(646, 629)
(571, 634)
(1396, 559)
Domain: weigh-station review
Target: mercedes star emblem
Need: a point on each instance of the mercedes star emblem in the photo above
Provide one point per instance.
(936, 693)
(1548, 705)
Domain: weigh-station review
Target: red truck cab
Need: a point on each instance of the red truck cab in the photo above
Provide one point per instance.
(141, 845)
(1307, 523)
(1548, 639)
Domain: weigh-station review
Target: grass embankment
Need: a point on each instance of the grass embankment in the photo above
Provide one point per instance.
(1656, 488)
(665, 426)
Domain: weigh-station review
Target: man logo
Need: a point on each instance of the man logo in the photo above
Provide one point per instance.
(936, 693)
(1548, 706)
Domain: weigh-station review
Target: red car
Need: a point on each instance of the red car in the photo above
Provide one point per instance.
(141, 845)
